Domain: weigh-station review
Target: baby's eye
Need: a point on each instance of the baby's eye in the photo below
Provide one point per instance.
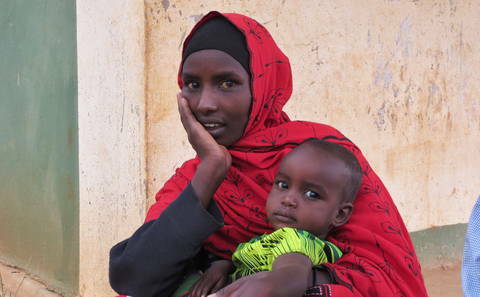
(281, 184)
(312, 194)
(192, 85)
(227, 84)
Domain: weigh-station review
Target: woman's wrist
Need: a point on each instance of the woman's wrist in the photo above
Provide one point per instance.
(208, 177)
(321, 277)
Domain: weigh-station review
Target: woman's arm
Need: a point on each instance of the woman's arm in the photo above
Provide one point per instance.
(215, 158)
(290, 276)
(153, 260)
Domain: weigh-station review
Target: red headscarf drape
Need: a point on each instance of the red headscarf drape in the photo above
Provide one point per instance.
(379, 257)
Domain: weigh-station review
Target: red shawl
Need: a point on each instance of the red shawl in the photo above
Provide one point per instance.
(379, 257)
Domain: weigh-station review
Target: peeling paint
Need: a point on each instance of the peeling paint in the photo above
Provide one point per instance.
(165, 4)
(380, 121)
(196, 17)
(382, 76)
(403, 39)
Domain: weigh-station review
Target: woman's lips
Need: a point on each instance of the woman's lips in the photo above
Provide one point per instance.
(212, 125)
(215, 129)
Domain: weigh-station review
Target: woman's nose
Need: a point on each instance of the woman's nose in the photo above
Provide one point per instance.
(208, 102)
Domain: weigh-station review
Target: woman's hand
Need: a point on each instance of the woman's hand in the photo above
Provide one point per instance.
(263, 284)
(202, 142)
(214, 278)
(215, 158)
(290, 277)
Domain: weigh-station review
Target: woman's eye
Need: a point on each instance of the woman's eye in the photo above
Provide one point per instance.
(312, 194)
(281, 184)
(192, 85)
(227, 84)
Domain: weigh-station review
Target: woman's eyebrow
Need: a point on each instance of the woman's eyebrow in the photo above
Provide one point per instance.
(226, 74)
(189, 76)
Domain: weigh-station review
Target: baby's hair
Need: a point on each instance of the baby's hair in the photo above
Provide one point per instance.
(348, 158)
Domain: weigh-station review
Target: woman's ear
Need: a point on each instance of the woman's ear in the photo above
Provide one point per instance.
(344, 213)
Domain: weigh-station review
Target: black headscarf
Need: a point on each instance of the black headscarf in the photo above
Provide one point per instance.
(220, 34)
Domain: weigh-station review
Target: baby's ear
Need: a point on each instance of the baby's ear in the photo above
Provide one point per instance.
(343, 214)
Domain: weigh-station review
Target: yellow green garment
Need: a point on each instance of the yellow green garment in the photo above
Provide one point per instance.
(260, 252)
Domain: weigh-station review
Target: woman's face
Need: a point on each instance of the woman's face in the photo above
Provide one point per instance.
(217, 88)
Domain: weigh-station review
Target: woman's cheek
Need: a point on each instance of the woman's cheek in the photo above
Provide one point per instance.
(184, 93)
(189, 95)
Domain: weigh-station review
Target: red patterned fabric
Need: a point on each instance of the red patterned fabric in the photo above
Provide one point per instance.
(379, 260)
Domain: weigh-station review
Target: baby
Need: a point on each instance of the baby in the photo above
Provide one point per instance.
(313, 193)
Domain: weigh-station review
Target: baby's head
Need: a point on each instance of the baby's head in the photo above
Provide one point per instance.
(314, 188)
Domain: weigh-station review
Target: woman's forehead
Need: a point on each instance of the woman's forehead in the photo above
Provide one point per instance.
(212, 60)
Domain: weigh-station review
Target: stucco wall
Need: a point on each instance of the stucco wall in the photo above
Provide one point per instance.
(399, 78)
(111, 133)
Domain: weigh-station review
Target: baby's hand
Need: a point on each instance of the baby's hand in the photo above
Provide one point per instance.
(214, 278)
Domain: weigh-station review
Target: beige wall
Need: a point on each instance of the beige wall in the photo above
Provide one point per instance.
(111, 117)
(400, 78)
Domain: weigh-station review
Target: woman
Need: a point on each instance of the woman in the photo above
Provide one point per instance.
(235, 82)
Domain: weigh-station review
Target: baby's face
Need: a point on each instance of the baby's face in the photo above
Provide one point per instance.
(308, 191)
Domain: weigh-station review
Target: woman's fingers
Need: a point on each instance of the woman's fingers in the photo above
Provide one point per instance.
(215, 159)
(210, 282)
(202, 142)
(203, 287)
(194, 289)
(218, 285)
(189, 121)
(229, 290)
(206, 289)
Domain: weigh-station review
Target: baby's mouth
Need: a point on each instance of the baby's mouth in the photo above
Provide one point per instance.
(284, 217)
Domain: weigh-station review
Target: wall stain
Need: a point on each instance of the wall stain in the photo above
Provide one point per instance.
(196, 17)
(403, 39)
(380, 120)
(181, 39)
(383, 77)
(165, 4)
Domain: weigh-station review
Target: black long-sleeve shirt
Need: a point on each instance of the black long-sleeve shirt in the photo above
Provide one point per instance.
(153, 261)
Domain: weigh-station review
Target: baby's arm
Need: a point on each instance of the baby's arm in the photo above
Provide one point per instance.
(214, 278)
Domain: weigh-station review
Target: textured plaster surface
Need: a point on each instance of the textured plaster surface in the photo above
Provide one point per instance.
(399, 78)
(111, 133)
(15, 282)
